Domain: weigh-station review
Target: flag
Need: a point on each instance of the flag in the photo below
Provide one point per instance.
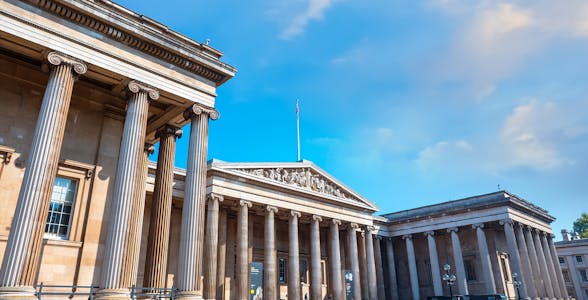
(297, 108)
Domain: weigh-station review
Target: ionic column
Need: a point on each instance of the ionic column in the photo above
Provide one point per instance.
(371, 264)
(539, 290)
(485, 258)
(550, 266)
(412, 267)
(392, 269)
(161, 207)
(526, 263)
(543, 265)
(559, 274)
(379, 268)
(113, 284)
(270, 255)
(293, 257)
(335, 261)
(192, 230)
(514, 256)
(363, 273)
(23, 249)
(462, 282)
(222, 255)
(315, 256)
(211, 245)
(434, 259)
(242, 274)
(138, 211)
(354, 259)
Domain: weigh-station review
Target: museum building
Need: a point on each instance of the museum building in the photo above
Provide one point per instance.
(88, 87)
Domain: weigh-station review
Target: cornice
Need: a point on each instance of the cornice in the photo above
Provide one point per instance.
(155, 40)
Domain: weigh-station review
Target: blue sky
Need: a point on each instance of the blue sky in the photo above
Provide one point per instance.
(408, 102)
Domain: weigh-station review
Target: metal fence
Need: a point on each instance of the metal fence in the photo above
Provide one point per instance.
(89, 292)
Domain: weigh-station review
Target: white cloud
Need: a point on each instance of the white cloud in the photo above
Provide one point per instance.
(498, 37)
(530, 138)
(314, 11)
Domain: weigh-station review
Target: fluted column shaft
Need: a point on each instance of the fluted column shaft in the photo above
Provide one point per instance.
(222, 255)
(462, 281)
(363, 272)
(485, 258)
(270, 255)
(550, 266)
(335, 261)
(192, 230)
(371, 264)
(559, 274)
(242, 251)
(354, 259)
(543, 265)
(23, 249)
(379, 268)
(113, 284)
(315, 256)
(539, 289)
(293, 257)
(161, 207)
(412, 267)
(526, 263)
(434, 259)
(391, 269)
(515, 258)
(138, 211)
(211, 246)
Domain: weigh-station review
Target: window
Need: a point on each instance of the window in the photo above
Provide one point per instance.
(579, 259)
(583, 276)
(469, 269)
(303, 271)
(566, 275)
(282, 270)
(61, 207)
(561, 260)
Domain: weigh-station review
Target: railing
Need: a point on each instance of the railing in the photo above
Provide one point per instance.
(66, 290)
(71, 291)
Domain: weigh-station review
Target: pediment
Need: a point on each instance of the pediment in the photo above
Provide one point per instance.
(301, 176)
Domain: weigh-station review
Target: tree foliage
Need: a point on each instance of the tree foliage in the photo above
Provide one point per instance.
(581, 225)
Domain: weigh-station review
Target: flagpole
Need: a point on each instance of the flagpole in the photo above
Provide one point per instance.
(298, 128)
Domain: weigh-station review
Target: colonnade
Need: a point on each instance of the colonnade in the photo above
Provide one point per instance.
(531, 255)
(121, 256)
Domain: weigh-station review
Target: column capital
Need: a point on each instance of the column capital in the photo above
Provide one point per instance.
(295, 214)
(149, 148)
(57, 58)
(453, 229)
(478, 225)
(317, 218)
(135, 86)
(245, 203)
(353, 226)
(215, 197)
(198, 109)
(336, 222)
(407, 237)
(429, 233)
(379, 237)
(169, 130)
(506, 221)
(271, 209)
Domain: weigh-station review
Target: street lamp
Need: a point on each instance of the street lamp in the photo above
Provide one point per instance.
(517, 284)
(449, 278)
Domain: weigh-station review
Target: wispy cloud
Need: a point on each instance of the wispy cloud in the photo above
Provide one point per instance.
(314, 11)
(532, 136)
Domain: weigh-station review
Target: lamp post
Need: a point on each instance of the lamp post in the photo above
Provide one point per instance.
(449, 278)
(517, 284)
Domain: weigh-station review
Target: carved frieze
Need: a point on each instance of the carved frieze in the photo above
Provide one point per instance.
(300, 177)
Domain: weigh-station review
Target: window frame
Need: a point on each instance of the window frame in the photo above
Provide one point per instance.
(83, 174)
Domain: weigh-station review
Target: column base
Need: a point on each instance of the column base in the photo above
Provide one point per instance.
(113, 294)
(17, 292)
(188, 295)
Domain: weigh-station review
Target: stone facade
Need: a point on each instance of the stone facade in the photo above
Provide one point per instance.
(573, 260)
(89, 87)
